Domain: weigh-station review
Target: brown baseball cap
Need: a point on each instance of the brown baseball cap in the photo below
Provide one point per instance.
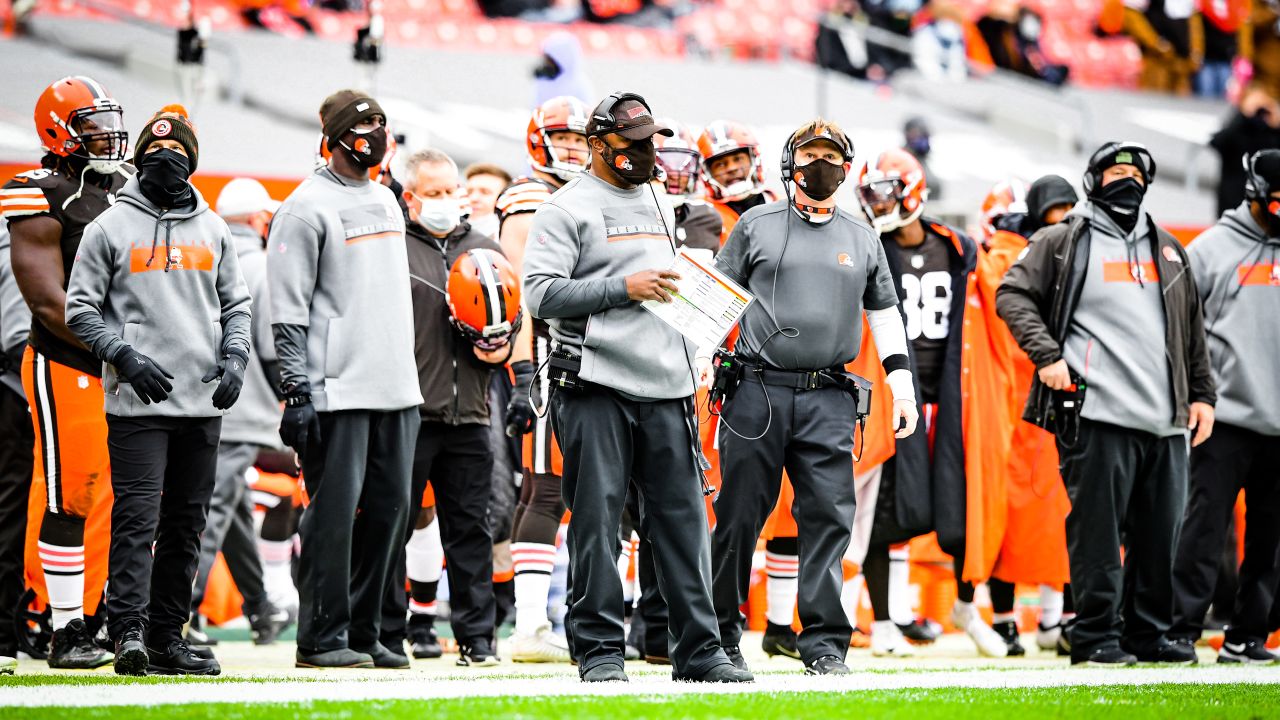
(820, 130)
(627, 115)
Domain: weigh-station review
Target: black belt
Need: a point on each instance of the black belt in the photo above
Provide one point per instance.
(797, 380)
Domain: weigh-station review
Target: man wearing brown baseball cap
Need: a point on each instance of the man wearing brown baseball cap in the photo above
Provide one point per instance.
(623, 405)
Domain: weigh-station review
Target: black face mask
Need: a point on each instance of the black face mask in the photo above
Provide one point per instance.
(1122, 199)
(632, 164)
(366, 149)
(163, 178)
(547, 69)
(819, 179)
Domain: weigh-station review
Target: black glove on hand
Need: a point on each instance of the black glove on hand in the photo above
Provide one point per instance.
(520, 414)
(146, 376)
(230, 376)
(300, 424)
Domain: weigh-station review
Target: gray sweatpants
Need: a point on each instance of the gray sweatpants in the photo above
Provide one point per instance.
(229, 528)
(607, 440)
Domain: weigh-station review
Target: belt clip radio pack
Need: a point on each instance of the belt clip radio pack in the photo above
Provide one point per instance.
(728, 373)
(860, 388)
(563, 368)
(1065, 411)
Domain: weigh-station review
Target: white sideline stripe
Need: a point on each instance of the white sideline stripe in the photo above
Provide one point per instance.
(498, 684)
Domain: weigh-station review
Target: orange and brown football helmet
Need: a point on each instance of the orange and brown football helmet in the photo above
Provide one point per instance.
(76, 112)
(559, 114)
(679, 159)
(1005, 197)
(893, 177)
(483, 293)
(721, 138)
(376, 173)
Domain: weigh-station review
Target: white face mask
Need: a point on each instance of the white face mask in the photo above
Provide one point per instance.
(439, 215)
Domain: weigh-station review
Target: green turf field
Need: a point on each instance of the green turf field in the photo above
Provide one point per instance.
(1184, 702)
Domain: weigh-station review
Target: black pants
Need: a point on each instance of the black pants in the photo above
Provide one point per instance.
(1126, 487)
(608, 441)
(230, 530)
(810, 434)
(358, 482)
(17, 439)
(650, 606)
(1232, 459)
(458, 460)
(162, 475)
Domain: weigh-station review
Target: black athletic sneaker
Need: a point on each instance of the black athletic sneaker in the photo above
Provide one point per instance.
(726, 673)
(477, 653)
(1008, 631)
(422, 635)
(735, 656)
(779, 640)
(266, 624)
(1252, 652)
(73, 648)
(1110, 656)
(177, 658)
(1167, 653)
(131, 651)
(1064, 639)
(920, 631)
(827, 665)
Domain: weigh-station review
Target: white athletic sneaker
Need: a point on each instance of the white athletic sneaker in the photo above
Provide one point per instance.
(887, 640)
(7, 665)
(542, 646)
(966, 617)
(1047, 637)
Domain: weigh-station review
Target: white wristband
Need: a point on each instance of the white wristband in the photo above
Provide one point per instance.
(901, 385)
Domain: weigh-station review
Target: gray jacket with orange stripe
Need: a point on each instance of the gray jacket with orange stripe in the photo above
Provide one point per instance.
(168, 285)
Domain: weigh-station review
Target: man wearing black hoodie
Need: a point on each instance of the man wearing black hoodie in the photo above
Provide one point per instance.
(1123, 450)
(1237, 267)
(453, 449)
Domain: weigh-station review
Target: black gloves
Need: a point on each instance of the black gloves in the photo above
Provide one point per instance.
(520, 414)
(144, 374)
(300, 424)
(230, 375)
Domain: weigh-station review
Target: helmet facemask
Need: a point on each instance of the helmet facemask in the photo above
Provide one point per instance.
(881, 192)
(103, 126)
(551, 162)
(680, 168)
(738, 189)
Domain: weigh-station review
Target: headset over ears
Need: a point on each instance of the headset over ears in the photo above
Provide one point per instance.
(1140, 157)
(787, 164)
(603, 118)
(1256, 187)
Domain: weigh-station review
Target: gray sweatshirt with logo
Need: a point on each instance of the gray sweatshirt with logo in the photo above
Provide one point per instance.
(337, 267)
(582, 245)
(1237, 269)
(166, 284)
(1117, 336)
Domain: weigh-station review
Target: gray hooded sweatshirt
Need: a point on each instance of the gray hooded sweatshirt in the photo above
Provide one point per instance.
(166, 284)
(1237, 270)
(255, 419)
(583, 243)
